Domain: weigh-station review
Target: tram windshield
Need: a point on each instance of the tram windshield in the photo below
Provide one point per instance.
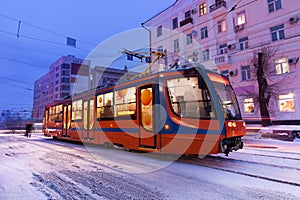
(226, 96)
(188, 100)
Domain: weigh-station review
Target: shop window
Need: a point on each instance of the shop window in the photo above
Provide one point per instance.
(248, 105)
(286, 103)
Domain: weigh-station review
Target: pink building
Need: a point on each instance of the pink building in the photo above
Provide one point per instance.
(226, 36)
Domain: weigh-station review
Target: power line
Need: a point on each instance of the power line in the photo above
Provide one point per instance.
(42, 29)
(22, 62)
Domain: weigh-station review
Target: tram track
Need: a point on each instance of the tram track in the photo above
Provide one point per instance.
(241, 163)
(276, 173)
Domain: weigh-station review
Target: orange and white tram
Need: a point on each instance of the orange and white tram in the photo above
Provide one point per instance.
(184, 111)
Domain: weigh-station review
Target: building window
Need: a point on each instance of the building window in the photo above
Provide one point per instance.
(223, 48)
(286, 103)
(205, 54)
(189, 38)
(241, 18)
(277, 32)
(221, 26)
(225, 73)
(204, 32)
(243, 43)
(160, 48)
(187, 14)
(248, 105)
(176, 45)
(282, 66)
(246, 73)
(159, 31)
(274, 5)
(202, 9)
(175, 23)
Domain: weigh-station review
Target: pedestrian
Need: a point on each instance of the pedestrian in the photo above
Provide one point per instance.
(29, 128)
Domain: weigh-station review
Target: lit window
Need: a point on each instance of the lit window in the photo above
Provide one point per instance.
(189, 38)
(204, 33)
(248, 105)
(241, 18)
(286, 103)
(202, 9)
(159, 31)
(282, 66)
(277, 32)
(176, 45)
(221, 26)
(246, 73)
(274, 5)
(243, 43)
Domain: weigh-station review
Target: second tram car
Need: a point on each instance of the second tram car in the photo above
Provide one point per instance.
(184, 111)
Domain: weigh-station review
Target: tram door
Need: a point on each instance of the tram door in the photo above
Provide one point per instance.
(147, 137)
(66, 120)
(88, 119)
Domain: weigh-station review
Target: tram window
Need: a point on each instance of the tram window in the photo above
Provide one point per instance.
(188, 100)
(105, 106)
(125, 102)
(55, 113)
(77, 110)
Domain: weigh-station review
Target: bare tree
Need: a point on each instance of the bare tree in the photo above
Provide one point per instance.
(261, 72)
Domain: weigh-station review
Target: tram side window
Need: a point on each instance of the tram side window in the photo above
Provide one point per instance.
(77, 110)
(188, 100)
(55, 113)
(105, 106)
(125, 102)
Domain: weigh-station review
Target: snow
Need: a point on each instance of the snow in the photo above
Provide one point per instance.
(40, 168)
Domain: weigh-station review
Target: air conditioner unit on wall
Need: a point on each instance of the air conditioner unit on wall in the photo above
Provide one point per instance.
(233, 72)
(238, 27)
(194, 11)
(293, 19)
(293, 60)
(231, 46)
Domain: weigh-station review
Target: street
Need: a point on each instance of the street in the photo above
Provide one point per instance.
(42, 168)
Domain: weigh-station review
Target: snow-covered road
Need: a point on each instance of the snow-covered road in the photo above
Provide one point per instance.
(40, 168)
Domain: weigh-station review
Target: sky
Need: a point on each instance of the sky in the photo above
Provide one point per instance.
(33, 35)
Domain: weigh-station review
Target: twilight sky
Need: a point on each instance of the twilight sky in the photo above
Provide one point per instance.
(33, 35)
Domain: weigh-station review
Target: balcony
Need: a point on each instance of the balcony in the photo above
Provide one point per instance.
(221, 59)
(217, 5)
(186, 21)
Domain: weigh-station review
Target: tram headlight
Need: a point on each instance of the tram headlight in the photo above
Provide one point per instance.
(234, 124)
(229, 124)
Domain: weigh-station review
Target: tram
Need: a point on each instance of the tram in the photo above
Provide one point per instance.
(189, 110)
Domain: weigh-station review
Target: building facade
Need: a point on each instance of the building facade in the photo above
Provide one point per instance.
(227, 36)
(66, 76)
(70, 75)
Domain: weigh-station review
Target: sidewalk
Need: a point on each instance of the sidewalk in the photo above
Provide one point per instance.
(282, 132)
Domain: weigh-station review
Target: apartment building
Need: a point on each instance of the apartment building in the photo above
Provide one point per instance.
(227, 36)
(66, 76)
(70, 75)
